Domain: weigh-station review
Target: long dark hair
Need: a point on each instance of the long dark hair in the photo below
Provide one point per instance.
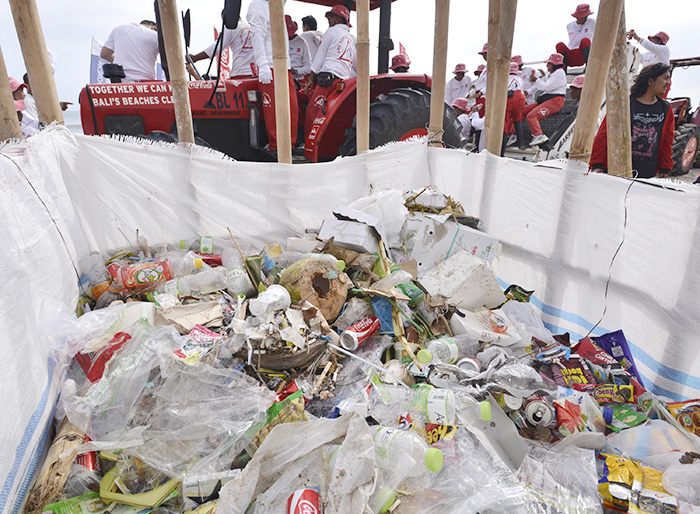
(641, 81)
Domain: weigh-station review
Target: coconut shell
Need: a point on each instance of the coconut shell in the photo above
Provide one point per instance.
(284, 361)
(319, 282)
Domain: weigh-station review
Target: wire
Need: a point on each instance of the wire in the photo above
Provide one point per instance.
(65, 243)
(612, 261)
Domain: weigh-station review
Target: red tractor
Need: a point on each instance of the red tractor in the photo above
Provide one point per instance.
(227, 116)
(685, 142)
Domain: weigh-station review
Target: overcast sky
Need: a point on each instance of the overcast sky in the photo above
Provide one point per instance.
(69, 26)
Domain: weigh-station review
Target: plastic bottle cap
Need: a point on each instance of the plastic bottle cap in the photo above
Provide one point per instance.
(341, 265)
(198, 263)
(608, 415)
(433, 459)
(486, 411)
(425, 356)
(388, 496)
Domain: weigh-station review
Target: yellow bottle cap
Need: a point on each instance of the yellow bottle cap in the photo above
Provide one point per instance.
(434, 460)
(424, 356)
(198, 263)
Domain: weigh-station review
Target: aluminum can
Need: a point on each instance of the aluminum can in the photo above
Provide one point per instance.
(539, 412)
(509, 402)
(304, 501)
(356, 335)
(469, 364)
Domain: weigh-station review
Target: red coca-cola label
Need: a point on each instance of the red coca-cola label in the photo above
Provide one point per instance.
(89, 459)
(304, 501)
(365, 327)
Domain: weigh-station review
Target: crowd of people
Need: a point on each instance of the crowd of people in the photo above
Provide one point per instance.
(318, 60)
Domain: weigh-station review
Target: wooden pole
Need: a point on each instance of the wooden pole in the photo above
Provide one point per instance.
(618, 107)
(9, 123)
(437, 98)
(607, 23)
(362, 117)
(498, 77)
(493, 24)
(280, 46)
(172, 39)
(36, 59)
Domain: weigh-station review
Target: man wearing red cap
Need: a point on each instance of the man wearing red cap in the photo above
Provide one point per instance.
(28, 125)
(457, 87)
(480, 82)
(580, 36)
(335, 60)
(515, 106)
(657, 51)
(400, 63)
(299, 57)
(258, 17)
(550, 101)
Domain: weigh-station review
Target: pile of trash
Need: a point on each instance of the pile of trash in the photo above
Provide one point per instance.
(375, 366)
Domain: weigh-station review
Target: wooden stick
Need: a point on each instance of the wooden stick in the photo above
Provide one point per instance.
(499, 77)
(493, 23)
(172, 39)
(280, 45)
(36, 59)
(607, 23)
(9, 123)
(437, 98)
(362, 76)
(618, 107)
(320, 380)
(250, 273)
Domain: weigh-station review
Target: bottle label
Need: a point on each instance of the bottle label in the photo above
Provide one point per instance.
(382, 441)
(448, 351)
(206, 245)
(144, 273)
(171, 288)
(440, 407)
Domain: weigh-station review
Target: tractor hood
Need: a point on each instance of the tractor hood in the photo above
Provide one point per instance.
(373, 4)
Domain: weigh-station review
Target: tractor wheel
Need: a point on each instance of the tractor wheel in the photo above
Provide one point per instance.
(171, 137)
(400, 115)
(685, 148)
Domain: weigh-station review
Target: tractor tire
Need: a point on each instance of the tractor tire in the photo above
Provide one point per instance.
(399, 115)
(685, 148)
(171, 137)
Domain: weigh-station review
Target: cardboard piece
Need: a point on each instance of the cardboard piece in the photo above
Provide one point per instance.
(352, 229)
(185, 317)
(466, 281)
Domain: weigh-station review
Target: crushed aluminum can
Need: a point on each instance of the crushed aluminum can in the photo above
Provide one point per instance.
(304, 501)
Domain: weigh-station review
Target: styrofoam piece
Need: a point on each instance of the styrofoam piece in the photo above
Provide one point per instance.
(351, 235)
(466, 281)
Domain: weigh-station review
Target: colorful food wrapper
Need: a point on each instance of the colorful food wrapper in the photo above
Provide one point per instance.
(573, 371)
(611, 393)
(517, 293)
(687, 414)
(620, 417)
(616, 345)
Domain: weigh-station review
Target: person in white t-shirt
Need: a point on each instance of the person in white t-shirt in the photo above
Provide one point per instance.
(299, 58)
(515, 106)
(580, 37)
(258, 17)
(550, 101)
(655, 46)
(311, 35)
(135, 47)
(240, 42)
(458, 86)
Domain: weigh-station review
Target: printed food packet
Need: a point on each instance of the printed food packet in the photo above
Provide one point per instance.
(615, 487)
(649, 496)
(620, 417)
(567, 373)
(602, 364)
(611, 393)
(569, 419)
(687, 414)
(616, 345)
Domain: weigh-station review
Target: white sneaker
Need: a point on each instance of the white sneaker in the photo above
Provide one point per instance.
(538, 140)
(512, 140)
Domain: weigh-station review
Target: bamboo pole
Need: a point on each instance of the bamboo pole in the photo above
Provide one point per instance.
(172, 39)
(36, 59)
(280, 45)
(493, 24)
(437, 98)
(499, 77)
(618, 102)
(9, 123)
(362, 76)
(607, 23)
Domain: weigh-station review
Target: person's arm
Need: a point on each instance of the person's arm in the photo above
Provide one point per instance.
(556, 81)
(259, 30)
(664, 164)
(305, 67)
(321, 53)
(599, 153)
(201, 55)
(660, 51)
(107, 54)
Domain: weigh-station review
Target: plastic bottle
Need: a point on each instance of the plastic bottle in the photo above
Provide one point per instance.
(182, 263)
(206, 281)
(449, 350)
(390, 440)
(439, 405)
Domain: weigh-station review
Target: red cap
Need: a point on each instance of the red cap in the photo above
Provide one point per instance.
(578, 82)
(661, 35)
(481, 67)
(582, 10)
(514, 68)
(461, 103)
(517, 59)
(460, 68)
(292, 26)
(485, 49)
(16, 84)
(19, 105)
(341, 11)
(555, 59)
(400, 60)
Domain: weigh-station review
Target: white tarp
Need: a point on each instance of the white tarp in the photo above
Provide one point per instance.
(65, 195)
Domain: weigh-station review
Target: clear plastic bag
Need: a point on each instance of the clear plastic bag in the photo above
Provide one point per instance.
(683, 481)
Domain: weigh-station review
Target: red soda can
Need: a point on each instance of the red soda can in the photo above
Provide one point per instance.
(89, 459)
(355, 336)
(304, 501)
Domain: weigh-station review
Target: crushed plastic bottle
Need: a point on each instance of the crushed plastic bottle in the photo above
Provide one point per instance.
(390, 440)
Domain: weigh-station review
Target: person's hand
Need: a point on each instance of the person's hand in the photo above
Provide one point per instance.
(663, 175)
(64, 105)
(309, 82)
(597, 170)
(633, 35)
(264, 74)
(533, 78)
